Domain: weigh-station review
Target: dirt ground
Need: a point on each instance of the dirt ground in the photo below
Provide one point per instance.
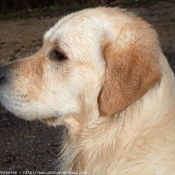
(31, 145)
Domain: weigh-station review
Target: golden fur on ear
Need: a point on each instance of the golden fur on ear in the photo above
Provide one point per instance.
(130, 72)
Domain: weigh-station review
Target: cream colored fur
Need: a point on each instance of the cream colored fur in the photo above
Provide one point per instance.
(114, 93)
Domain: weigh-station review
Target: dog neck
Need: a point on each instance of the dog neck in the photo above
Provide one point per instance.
(111, 138)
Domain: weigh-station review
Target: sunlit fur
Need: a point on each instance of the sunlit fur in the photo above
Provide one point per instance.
(114, 93)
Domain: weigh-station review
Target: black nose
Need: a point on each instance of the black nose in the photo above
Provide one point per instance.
(3, 74)
(2, 78)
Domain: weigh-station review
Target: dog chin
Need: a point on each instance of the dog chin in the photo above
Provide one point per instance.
(53, 121)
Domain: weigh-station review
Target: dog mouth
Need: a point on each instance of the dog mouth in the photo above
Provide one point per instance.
(53, 121)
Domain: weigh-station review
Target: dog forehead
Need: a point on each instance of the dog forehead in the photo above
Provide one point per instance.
(79, 35)
(85, 24)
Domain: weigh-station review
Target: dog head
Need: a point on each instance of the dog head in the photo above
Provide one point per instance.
(102, 59)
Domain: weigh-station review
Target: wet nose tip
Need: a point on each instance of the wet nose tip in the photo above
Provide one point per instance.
(2, 78)
(2, 75)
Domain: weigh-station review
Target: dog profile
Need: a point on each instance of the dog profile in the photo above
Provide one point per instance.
(102, 74)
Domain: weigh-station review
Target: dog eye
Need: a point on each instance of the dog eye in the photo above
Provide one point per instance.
(55, 54)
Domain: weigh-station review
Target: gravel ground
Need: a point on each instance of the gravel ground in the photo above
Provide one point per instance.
(27, 145)
(31, 145)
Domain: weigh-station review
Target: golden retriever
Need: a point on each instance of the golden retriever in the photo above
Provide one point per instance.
(102, 74)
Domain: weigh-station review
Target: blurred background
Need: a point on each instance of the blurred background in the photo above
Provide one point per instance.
(54, 5)
(33, 146)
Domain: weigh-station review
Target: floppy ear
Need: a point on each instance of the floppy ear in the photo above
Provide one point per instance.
(130, 72)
